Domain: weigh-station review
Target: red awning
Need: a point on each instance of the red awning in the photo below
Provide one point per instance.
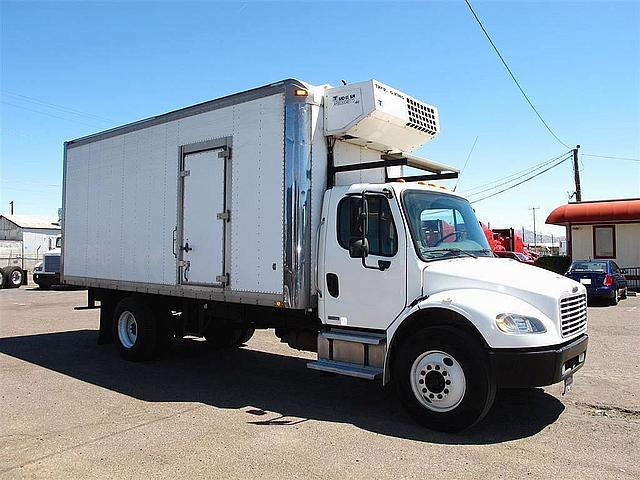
(596, 212)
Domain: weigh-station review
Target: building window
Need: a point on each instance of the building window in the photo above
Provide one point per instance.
(604, 241)
(381, 235)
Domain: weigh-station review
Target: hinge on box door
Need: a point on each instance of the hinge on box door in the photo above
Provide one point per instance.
(223, 279)
(226, 215)
(224, 153)
(182, 263)
(185, 173)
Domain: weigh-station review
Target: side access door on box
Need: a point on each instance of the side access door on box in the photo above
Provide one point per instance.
(203, 213)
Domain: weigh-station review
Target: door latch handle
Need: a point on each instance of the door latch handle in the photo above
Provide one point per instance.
(186, 247)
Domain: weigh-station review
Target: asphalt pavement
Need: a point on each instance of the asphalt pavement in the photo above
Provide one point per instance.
(72, 409)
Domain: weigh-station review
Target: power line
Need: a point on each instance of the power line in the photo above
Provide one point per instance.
(523, 181)
(51, 115)
(55, 106)
(465, 163)
(513, 76)
(513, 176)
(612, 158)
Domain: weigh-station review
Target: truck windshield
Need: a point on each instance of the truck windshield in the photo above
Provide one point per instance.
(443, 226)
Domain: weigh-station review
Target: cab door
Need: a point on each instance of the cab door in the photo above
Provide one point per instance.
(356, 295)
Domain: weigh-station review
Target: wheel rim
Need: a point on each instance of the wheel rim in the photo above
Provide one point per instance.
(127, 329)
(16, 277)
(438, 381)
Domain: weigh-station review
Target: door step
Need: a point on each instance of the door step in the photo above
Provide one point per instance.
(344, 368)
(357, 337)
(350, 352)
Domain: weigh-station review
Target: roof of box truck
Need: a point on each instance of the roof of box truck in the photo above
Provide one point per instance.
(221, 102)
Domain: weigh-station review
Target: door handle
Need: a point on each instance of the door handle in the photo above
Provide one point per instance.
(186, 247)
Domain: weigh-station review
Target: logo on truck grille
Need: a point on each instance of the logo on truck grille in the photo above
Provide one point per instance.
(573, 314)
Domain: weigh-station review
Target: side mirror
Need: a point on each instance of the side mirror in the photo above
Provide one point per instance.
(359, 248)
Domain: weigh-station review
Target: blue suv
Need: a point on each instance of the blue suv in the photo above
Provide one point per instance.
(602, 279)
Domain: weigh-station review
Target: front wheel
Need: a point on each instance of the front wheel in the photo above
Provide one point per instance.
(443, 379)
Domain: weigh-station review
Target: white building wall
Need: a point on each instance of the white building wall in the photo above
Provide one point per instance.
(627, 243)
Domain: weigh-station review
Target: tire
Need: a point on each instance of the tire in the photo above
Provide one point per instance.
(14, 276)
(134, 329)
(227, 337)
(614, 299)
(427, 361)
(624, 294)
(2, 279)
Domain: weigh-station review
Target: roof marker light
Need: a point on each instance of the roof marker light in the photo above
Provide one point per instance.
(301, 92)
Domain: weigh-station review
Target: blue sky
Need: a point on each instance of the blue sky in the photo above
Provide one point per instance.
(70, 69)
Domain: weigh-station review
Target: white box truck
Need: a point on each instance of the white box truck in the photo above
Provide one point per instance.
(292, 207)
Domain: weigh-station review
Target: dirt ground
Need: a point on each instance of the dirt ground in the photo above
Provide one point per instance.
(72, 409)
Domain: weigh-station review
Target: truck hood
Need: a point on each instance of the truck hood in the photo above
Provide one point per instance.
(538, 287)
(55, 251)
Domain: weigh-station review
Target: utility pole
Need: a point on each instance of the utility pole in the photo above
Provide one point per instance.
(11, 204)
(576, 174)
(535, 237)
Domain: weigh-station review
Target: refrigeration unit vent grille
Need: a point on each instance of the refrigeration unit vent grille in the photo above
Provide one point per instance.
(421, 117)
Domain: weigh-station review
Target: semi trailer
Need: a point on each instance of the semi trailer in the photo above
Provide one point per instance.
(302, 209)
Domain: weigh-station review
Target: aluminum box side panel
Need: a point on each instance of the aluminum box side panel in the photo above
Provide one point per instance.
(121, 197)
(257, 196)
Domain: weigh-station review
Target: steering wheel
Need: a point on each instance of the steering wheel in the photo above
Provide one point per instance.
(447, 236)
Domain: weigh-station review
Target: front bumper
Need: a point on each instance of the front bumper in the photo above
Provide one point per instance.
(537, 367)
(46, 277)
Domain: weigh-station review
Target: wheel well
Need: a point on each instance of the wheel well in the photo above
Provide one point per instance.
(429, 317)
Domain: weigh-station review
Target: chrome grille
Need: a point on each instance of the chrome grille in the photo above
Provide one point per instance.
(52, 263)
(573, 314)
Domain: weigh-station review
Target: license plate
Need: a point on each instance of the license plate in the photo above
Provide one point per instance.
(567, 384)
(585, 281)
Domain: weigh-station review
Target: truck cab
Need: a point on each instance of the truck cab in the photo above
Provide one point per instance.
(47, 273)
(456, 322)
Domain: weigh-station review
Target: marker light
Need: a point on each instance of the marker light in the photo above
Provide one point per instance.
(301, 92)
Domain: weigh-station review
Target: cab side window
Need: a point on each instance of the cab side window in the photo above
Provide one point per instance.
(381, 235)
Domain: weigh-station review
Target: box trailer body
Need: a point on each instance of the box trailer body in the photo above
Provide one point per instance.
(291, 206)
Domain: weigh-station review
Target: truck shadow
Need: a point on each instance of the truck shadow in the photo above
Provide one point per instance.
(272, 389)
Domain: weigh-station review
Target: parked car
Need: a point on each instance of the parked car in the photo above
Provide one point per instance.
(602, 279)
(520, 257)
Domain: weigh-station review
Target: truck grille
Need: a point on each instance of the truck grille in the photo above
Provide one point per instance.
(52, 263)
(573, 314)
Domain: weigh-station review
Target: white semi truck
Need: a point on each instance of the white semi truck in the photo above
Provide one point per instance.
(292, 207)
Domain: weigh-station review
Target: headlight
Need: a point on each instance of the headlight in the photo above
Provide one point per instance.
(38, 267)
(514, 323)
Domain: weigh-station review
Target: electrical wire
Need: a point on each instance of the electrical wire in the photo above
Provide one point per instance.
(523, 181)
(55, 106)
(526, 97)
(465, 163)
(513, 176)
(51, 115)
(612, 158)
(511, 180)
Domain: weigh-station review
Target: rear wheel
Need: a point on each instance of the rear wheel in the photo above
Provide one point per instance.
(134, 329)
(227, 336)
(443, 379)
(14, 277)
(624, 293)
(614, 299)
(2, 278)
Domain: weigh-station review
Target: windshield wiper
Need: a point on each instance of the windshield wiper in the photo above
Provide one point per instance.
(454, 250)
